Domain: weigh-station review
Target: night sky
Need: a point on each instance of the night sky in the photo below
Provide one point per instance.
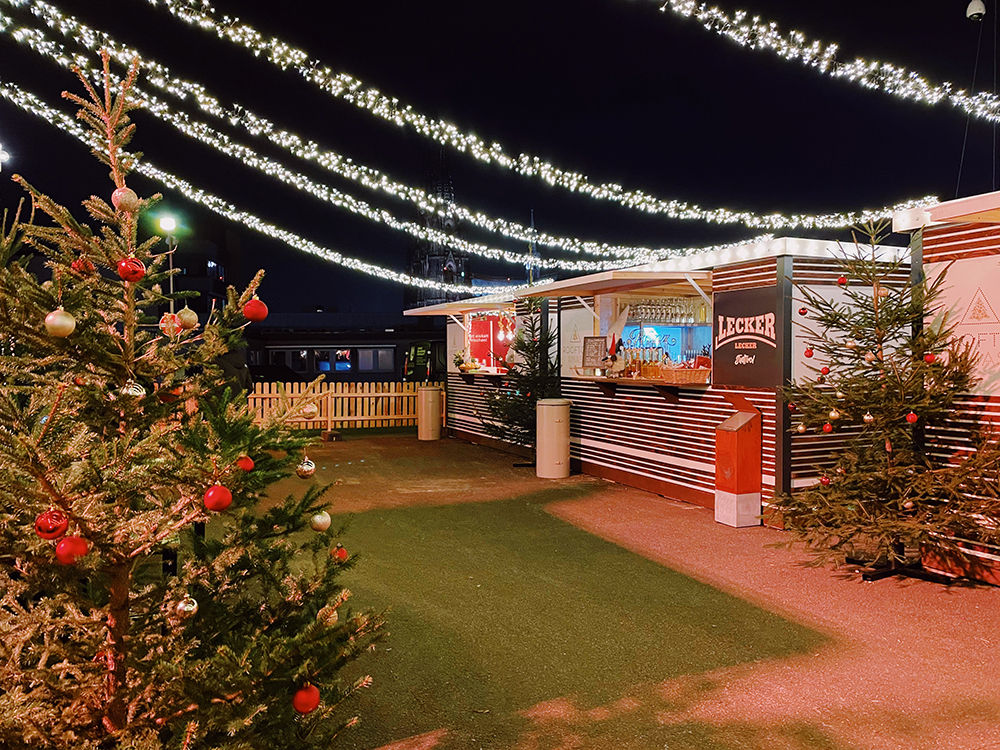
(611, 88)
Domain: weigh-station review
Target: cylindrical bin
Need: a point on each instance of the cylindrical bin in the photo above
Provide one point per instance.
(429, 413)
(552, 438)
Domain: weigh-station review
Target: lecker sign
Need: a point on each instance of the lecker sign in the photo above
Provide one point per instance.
(745, 342)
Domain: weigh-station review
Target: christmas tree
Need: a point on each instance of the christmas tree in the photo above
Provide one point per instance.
(887, 375)
(531, 375)
(119, 434)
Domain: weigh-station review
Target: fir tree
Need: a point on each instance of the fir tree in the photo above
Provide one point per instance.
(117, 436)
(887, 375)
(531, 375)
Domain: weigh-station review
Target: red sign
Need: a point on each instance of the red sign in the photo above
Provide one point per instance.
(489, 339)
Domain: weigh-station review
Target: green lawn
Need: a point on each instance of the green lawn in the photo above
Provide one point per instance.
(496, 607)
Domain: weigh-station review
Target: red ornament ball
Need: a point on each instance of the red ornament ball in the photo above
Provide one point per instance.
(828, 427)
(83, 266)
(255, 310)
(825, 481)
(911, 417)
(791, 406)
(170, 325)
(339, 553)
(842, 280)
(125, 199)
(306, 699)
(218, 498)
(825, 370)
(930, 358)
(245, 463)
(803, 311)
(131, 269)
(51, 524)
(70, 548)
(808, 352)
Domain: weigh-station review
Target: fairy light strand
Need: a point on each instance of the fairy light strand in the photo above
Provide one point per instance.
(342, 86)
(33, 105)
(368, 177)
(30, 103)
(755, 33)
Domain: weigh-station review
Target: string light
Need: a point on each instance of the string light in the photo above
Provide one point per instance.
(349, 89)
(35, 106)
(160, 77)
(757, 34)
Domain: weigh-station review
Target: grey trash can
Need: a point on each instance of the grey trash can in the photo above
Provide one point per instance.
(429, 413)
(552, 438)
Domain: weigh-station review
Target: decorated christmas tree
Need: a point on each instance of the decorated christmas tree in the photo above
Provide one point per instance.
(531, 375)
(119, 435)
(881, 406)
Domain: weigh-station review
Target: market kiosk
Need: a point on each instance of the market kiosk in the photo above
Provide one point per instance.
(697, 340)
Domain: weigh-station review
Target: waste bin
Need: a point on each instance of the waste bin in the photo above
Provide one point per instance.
(738, 470)
(429, 413)
(552, 438)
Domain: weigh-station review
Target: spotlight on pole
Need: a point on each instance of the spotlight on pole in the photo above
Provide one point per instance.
(975, 11)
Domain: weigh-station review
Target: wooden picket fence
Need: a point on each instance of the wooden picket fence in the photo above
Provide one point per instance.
(343, 405)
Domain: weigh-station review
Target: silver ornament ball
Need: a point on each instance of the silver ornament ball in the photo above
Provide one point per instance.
(320, 521)
(306, 469)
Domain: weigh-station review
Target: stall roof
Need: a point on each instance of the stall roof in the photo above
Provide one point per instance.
(984, 209)
(472, 304)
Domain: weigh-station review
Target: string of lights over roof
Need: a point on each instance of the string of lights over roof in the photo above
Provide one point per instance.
(757, 34)
(201, 14)
(160, 77)
(222, 143)
(33, 105)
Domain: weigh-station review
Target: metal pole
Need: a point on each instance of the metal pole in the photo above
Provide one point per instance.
(171, 246)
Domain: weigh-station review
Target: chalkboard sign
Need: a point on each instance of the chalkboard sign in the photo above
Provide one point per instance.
(595, 349)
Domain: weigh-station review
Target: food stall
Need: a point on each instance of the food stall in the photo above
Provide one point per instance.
(656, 358)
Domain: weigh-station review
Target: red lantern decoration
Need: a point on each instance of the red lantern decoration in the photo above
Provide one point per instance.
(339, 553)
(70, 548)
(51, 524)
(930, 358)
(218, 498)
(808, 352)
(912, 418)
(828, 427)
(131, 269)
(306, 699)
(245, 463)
(255, 310)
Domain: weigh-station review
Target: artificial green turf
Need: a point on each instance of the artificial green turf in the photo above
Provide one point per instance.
(496, 607)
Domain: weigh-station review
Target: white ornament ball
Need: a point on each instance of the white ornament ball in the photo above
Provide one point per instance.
(310, 411)
(801, 428)
(834, 414)
(187, 607)
(306, 469)
(125, 199)
(133, 389)
(320, 521)
(188, 318)
(59, 323)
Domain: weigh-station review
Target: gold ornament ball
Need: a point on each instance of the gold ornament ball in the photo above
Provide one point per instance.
(310, 411)
(834, 414)
(125, 199)
(59, 323)
(306, 469)
(188, 318)
(801, 428)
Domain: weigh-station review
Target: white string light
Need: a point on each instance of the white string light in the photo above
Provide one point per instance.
(758, 34)
(35, 106)
(160, 77)
(352, 90)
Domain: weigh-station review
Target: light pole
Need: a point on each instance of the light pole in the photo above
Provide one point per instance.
(168, 224)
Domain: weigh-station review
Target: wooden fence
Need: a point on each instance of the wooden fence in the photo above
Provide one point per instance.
(344, 405)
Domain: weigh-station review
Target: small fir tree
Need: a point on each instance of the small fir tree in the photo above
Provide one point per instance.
(531, 375)
(117, 436)
(884, 392)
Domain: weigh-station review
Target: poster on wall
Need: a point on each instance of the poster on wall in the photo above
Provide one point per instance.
(972, 301)
(744, 338)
